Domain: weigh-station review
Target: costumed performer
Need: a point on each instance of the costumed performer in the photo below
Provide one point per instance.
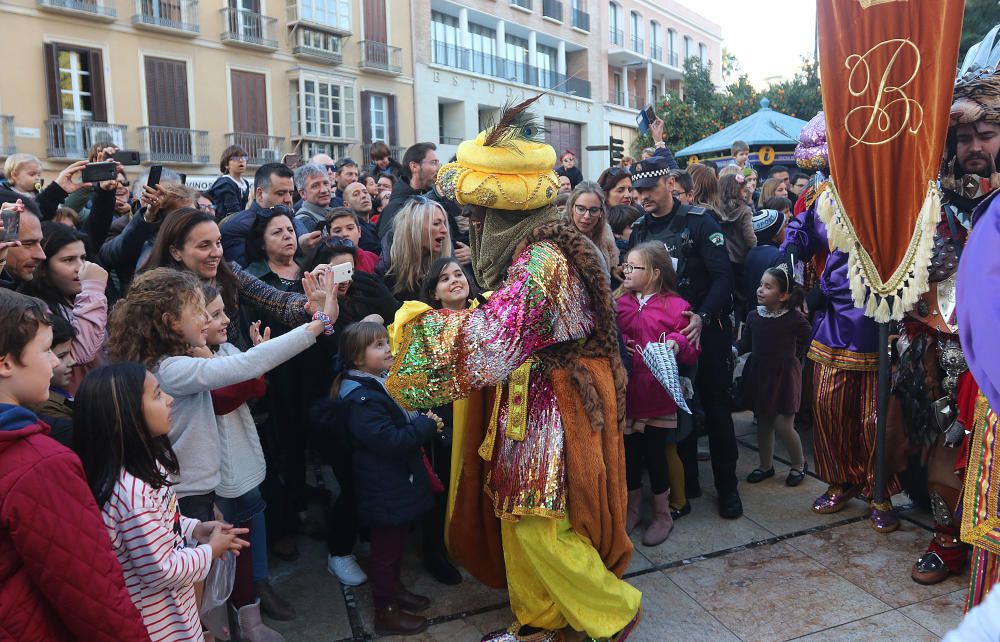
(546, 461)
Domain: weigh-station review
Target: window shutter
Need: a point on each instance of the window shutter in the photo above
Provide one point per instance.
(167, 93)
(98, 98)
(391, 117)
(366, 117)
(52, 80)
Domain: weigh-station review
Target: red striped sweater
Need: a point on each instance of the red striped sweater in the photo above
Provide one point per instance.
(159, 557)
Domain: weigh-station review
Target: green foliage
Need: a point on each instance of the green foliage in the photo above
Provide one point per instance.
(980, 16)
(705, 109)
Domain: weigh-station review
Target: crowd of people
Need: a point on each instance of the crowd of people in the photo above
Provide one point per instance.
(173, 363)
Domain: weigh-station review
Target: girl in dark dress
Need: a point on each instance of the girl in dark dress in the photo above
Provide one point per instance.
(777, 336)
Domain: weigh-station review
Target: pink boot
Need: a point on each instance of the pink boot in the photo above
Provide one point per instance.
(658, 531)
(634, 505)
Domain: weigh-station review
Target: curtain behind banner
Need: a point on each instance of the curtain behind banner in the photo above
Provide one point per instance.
(888, 73)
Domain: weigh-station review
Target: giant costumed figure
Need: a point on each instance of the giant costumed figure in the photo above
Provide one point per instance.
(978, 311)
(541, 498)
(937, 394)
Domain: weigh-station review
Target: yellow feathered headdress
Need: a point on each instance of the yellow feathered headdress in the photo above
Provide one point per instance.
(506, 167)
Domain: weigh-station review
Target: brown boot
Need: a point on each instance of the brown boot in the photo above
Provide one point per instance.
(392, 621)
(411, 601)
(658, 530)
(634, 510)
(272, 604)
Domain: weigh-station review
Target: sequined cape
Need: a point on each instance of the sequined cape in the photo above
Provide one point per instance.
(445, 355)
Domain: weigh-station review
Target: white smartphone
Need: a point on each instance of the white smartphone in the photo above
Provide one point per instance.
(342, 272)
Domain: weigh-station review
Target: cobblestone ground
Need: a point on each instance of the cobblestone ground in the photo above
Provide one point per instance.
(780, 572)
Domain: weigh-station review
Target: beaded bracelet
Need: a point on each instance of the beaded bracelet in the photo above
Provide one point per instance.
(319, 315)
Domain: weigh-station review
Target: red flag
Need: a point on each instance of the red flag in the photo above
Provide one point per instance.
(888, 74)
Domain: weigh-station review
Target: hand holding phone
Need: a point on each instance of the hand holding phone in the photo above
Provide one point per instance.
(10, 215)
(342, 272)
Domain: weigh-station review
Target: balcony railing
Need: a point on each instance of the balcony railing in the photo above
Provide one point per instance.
(637, 44)
(249, 28)
(170, 15)
(507, 70)
(7, 146)
(318, 45)
(656, 53)
(581, 20)
(378, 56)
(260, 148)
(173, 145)
(365, 157)
(619, 98)
(449, 140)
(72, 138)
(98, 9)
(616, 37)
(673, 59)
(524, 4)
(552, 9)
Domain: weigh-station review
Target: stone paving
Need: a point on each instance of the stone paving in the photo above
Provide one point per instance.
(780, 572)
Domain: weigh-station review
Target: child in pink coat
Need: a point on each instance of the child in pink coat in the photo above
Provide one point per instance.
(648, 310)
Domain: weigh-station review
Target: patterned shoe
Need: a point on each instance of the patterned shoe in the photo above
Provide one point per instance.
(883, 516)
(517, 633)
(834, 499)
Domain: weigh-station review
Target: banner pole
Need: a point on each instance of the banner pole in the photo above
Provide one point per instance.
(881, 412)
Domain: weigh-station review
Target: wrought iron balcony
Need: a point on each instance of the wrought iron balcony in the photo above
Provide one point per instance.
(673, 59)
(318, 45)
(177, 16)
(72, 138)
(617, 37)
(637, 44)
(7, 146)
(552, 9)
(173, 145)
(380, 57)
(581, 20)
(500, 68)
(248, 28)
(523, 4)
(97, 9)
(261, 148)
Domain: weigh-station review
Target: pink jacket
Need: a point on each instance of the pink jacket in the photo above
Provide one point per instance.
(662, 314)
(89, 317)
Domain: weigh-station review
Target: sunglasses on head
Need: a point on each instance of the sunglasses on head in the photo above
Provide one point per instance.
(271, 212)
(338, 243)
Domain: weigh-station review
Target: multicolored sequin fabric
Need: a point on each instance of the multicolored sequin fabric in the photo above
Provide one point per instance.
(445, 355)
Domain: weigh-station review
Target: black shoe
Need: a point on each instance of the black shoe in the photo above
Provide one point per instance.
(759, 474)
(730, 504)
(692, 490)
(795, 477)
(442, 570)
(677, 513)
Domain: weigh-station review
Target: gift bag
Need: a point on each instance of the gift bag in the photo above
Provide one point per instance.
(662, 362)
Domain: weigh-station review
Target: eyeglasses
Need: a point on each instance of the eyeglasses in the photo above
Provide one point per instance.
(628, 268)
(587, 211)
(206, 207)
(618, 171)
(238, 158)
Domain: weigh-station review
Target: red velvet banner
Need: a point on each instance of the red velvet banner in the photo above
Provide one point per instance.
(888, 73)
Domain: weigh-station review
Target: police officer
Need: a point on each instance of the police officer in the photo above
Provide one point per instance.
(705, 280)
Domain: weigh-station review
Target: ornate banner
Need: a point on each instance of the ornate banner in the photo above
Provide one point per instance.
(888, 71)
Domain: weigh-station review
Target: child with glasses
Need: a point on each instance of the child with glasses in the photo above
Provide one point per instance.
(651, 311)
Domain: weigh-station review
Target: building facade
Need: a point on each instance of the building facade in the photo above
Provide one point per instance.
(645, 44)
(180, 80)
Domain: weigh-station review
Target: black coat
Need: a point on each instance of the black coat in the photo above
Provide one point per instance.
(228, 197)
(391, 480)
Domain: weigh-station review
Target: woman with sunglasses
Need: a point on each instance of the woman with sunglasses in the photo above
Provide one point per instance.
(230, 191)
(586, 210)
(617, 185)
